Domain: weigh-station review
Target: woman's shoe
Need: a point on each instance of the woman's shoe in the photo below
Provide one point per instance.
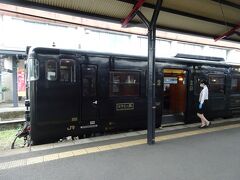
(202, 126)
(209, 124)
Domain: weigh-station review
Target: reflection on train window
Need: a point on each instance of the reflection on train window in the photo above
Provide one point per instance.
(33, 69)
(124, 83)
(89, 80)
(51, 70)
(235, 85)
(67, 70)
(216, 84)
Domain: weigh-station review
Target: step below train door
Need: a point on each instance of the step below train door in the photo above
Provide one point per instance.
(174, 96)
(89, 100)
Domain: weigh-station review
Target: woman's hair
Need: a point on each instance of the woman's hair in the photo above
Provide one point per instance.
(204, 82)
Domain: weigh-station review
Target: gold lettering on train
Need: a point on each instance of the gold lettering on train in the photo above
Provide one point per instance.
(74, 119)
(124, 106)
(158, 82)
(71, 128)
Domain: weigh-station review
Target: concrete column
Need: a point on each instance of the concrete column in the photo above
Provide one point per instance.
(14, 77)
(1, 93)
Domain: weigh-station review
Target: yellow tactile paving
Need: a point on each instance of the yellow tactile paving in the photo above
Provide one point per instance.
(92, 150)
(104, 148)
(50, 157)
(80, 152)
(34, 160)
(65, 154)
(127, 144)
(116, 146)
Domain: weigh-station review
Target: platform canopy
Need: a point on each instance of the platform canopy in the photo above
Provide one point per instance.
(212, 18)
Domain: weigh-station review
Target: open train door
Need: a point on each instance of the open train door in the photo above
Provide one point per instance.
(89, 100)
(174, 95)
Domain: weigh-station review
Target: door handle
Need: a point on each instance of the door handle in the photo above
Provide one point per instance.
(95, 102)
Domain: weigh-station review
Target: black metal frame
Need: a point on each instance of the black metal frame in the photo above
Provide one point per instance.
(185, 14)
(227, 3)
(151, 71)
(148, 5)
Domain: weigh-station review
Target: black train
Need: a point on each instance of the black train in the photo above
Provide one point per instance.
(76, 93)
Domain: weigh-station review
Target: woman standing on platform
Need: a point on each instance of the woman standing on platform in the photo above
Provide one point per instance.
(202, 107)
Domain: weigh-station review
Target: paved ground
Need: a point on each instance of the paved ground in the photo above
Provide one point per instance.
(190, 154)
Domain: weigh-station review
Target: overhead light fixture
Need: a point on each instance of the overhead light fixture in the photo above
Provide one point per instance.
(180, 78)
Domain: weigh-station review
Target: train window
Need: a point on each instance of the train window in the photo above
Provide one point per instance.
(51, 70)
(67, 70)
(216, 84)
(89, 80)
(33, 69)
(124, 83)
(235, 85)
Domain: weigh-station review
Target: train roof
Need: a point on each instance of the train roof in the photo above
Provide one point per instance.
(134, 57)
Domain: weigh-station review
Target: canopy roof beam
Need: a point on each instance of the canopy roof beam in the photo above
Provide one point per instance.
(132, 13)
(228, 3)
(228, 33)
(185, 14)
(148, 5)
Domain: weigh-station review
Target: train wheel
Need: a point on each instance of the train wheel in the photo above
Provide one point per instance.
(88, 135)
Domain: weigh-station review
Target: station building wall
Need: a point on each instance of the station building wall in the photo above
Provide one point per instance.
(6, 91)
(6, 80)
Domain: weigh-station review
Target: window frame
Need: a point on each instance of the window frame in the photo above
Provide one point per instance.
(46, 70)
(96, 79)
(234, 77)
(74, 68)
(125, 72)
(33, 69)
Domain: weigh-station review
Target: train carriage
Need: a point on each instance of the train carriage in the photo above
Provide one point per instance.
(77, 93)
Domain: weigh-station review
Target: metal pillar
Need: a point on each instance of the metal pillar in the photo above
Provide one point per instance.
(14, 78)
(151, 87)
(151, 75)
(151, 107)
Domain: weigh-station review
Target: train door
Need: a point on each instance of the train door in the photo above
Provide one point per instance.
(217, 94)
(89, 100)
(174, 95)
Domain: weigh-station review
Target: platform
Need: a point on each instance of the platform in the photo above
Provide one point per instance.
(182, 152)
(8, 112)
